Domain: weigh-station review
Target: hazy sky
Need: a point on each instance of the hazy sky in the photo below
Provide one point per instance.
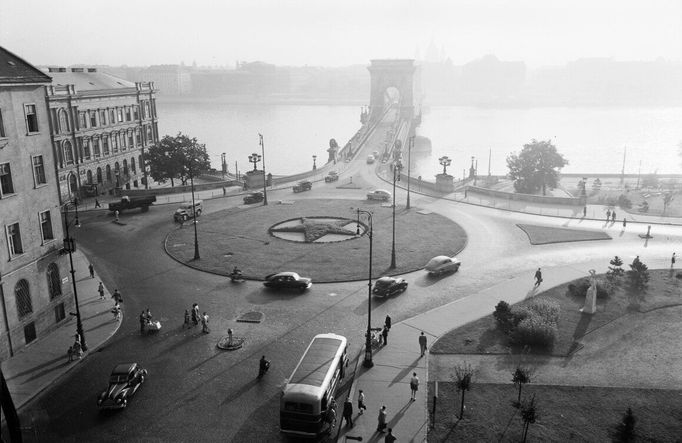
(339, 32)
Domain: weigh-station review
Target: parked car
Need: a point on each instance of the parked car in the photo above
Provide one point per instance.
(370, 159)
(253, 198)
(331, 177)
(389, 286)
(187, 210)
(287, 280)
(125, 380)
(304, 185)
(442, 264)
(379, 194)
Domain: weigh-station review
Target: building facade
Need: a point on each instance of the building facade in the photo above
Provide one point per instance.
(100, 127)
(35, 290)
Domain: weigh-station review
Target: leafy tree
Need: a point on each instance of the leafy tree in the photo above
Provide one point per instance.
(529, 414)
(638, 275)
(520, 377)
(596, 185)
(615, 270)
(179, 157)
(667, 198)
(503, 316)
(625, 430)
(536, 167)
(463, 375)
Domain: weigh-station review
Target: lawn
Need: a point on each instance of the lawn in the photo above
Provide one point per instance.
(565, 413)
(542, 235)
(483, 337)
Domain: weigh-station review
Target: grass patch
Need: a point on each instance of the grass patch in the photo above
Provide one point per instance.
(542, 235)
(566, 413)
(483, 337)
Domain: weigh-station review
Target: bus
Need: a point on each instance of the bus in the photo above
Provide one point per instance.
(312, 386)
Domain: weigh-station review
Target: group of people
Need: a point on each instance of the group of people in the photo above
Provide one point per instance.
(76, 350)
(347, 413)
(145, 320)
(196, 318)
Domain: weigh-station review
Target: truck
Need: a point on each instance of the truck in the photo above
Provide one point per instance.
(132, 203)
(304, 185)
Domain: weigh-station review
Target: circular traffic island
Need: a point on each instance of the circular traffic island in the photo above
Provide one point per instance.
(320, 239)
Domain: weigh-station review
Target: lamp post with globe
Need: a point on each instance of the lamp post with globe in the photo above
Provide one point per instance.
(368, 363)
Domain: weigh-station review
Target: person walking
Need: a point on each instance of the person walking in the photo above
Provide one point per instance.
(613, 216)
(116, 311)
(195, 314)
(584, 211)
(387, 322)
(116, 214)
(92, 270)
(384, 334)
(100, 289)
(390, 438)
(361, 402)
(348, 412)
(672, 261)
(186, 324)
(118, 298)
(608, 215)
(97, 205)
(625, 222)
(538, 277)
(422, 343)
(381, 420)
(143, 322)
(414, 386)
(204, 323)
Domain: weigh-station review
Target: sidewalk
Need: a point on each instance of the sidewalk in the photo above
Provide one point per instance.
(40, 364)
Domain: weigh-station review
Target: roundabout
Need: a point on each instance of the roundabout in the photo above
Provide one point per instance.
(316, 238)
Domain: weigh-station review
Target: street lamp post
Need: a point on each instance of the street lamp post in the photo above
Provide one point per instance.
(397, 167)
(314, 162)
(445, 162)
(254, 158)
(409, 163)
(223, 164)
(265, 181)
(194, 217)
(368, 363)
(70, 247)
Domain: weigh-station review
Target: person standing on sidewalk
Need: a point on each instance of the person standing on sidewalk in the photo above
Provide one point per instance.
(100, 289)
(390, 438)
(381, 420)
(143, 321)
(414, 386)
(92, 270)
(195, 314)
(384, 334)
(584, 211)
(422, 343)
(97, 204)
(204, 323)
(672, 261)
(361, 402)
(387, 322)
(118, 298)
(613, 216)
(625, 222)
(348, 412)
(538, 277)
(608, 215)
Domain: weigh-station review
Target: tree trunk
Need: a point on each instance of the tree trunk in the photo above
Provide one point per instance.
(519, 399)
(461, 408)
(172, 183)
(525, 431)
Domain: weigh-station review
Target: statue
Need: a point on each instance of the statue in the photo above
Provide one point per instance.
(591, 296)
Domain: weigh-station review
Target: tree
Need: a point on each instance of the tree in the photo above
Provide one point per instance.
(503, 316)
(625, 430)
(529, 414)
(520, 377)
(179, 157)
(463, 375)
(638, 275)
(536, 167)
(615, 270)
(667, 198)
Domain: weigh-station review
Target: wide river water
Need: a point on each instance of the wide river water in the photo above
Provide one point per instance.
(591, 139)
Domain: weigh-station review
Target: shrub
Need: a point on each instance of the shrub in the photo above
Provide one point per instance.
(548, 310)
(503, 316)
(519, 313)
(534, 331)
(580, 289)
(624, 202)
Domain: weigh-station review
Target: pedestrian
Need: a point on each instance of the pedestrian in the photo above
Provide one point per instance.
(625, 222)
(77, 347)
(422, 343)
(348, 412)
(390, 438)
(148, 316)
(117, 296)
(204, 323)
(585, 211)
(384, 334)
(331, 413)
(414, 386)
(195, 314)
(143, 322)
(672, 261)
(100, 289)
(608, 215)
(97, 205)
(116, 214)
(635, 261)
(92, 270)
(613, 216)
(361, 402)
(538, 277)
(381, 425)
(387, 322)
(69, 353)
(186, 324)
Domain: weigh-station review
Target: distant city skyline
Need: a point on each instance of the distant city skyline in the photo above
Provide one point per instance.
(321, 33)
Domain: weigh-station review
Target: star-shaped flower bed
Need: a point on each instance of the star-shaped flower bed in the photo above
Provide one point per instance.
(317, 228)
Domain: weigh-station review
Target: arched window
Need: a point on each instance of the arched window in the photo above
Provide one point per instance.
(73, 183)
(89, 176)
(54, 282)
(117, 167)
(68, 152)
(108, 173)
(63, 121)
(99, 175)
(23, 297)
(140, 162)
(132, 164)
(125, 167)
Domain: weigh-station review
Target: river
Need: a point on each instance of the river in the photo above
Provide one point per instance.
(593, 140)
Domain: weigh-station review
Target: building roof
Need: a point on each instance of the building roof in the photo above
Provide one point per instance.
(87, 79)
(14, 69)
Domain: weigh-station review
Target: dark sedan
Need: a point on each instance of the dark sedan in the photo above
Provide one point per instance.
(388, 286)
(125, 380)
(256, 197)
(287, 280)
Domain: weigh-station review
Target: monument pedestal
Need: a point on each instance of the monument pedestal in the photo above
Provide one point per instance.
(254, 179)
(444, 183)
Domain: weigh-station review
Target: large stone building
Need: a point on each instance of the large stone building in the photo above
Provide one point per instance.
(101, 126)
(35, 291)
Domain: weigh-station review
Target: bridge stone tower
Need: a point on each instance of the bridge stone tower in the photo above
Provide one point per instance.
(396, 73)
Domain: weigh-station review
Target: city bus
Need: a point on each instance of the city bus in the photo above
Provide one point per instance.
(312, 385)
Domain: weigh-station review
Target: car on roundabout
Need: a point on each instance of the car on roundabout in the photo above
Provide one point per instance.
(331, 177)
(304, 185)
(287, 280)
(389, 286)
(124, 381)
(254, 197)
(442, 264)
(379, 194)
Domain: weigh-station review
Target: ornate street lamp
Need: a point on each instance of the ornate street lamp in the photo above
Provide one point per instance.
(70, 247)
(445, 162)
(397, 167)
(368, 363)
(265, 181)
(223, 163)
(409, 163)
(254, 158)
(194, 216)
(314, 162)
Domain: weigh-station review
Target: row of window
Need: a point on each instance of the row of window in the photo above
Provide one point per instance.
(97, 118)
(13, 232)
(6, 182)
(109, 177)
(22, 292)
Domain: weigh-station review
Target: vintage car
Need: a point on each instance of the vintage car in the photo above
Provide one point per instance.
(331, 177)
(304, 185)
(125, 380)
(379, 194)
(255, 197)
(287, 280)
(442, 264)
(370, 159)
(388, 286)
